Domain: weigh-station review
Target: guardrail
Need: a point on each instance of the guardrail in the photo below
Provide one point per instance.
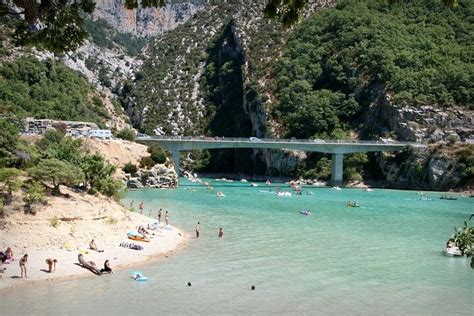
(273, 140)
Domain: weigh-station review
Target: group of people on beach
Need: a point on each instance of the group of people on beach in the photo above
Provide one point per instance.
(141, 207)
(90, 265)
(7, 258)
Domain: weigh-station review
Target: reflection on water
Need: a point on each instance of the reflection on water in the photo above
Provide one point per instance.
(382, 258)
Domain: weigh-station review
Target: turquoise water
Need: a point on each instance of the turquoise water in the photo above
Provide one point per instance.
(382, 258)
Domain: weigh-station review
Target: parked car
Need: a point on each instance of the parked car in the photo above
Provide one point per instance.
(140, 135)
(100, 133)
(255, 139)
(318, 141)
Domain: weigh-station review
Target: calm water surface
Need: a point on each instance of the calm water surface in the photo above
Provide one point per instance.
(382, 258)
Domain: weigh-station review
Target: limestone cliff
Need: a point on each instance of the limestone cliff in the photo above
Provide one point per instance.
(427, 123)
(145, 21)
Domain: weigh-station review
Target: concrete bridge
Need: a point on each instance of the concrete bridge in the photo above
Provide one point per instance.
(337, 148)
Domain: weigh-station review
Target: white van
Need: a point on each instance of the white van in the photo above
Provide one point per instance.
(100, 133)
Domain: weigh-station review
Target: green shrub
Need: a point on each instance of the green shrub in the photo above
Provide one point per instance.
(469, 171)
(147, 162)
(351, 174)
(111, 187)
(322, 170)
(452, 139)
(127, 134)
(157, 154)
(35, 193)
(130, 168)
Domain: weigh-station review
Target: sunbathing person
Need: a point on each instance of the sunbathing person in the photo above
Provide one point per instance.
(9, 254)
(88, 265)
(143, 231)
(106, 268)
(93, 246)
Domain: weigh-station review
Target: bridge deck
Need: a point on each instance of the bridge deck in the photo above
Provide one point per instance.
(328, 146)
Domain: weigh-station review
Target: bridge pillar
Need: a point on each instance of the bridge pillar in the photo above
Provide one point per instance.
(175, 154)
(337, 168)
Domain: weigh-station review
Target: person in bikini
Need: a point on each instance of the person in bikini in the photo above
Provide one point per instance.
(93, 246)
(23, 262)
(51, 263)
(159, 216)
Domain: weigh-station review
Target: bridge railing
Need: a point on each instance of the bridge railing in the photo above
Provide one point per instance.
(273, 140)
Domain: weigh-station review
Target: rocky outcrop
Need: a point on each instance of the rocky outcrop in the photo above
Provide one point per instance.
(426, 124)
(159, 176)
(107, 70)
(435, 168)
(40, 126)
(122, 152)
(146, 21)
(439, 167)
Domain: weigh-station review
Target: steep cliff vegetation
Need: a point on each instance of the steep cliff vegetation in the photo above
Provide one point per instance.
(419, 52)
(343, 61)
(203, 78)
(48, 89)
(104, 35)
(222, 86)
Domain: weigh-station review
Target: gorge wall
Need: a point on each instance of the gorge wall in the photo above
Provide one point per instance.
(223, 69)
(146, 21)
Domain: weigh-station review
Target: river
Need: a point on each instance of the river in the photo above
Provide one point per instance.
(384, 257)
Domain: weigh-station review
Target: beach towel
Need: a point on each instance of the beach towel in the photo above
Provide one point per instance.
(130, 245)
(84, 251)
(69, 246)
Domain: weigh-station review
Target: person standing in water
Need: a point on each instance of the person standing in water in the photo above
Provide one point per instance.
(159, 216)
(141, 207)
(149, 213)
(167, 218)
(197, 229)
(221, 233)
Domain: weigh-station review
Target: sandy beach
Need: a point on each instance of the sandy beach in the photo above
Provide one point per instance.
(77, 220)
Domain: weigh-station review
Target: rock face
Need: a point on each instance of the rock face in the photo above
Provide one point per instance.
(146, 21)
(106, 69)
(210, 75)
(40, 126)
(426, 124)
(438, 167)
(157, 177)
